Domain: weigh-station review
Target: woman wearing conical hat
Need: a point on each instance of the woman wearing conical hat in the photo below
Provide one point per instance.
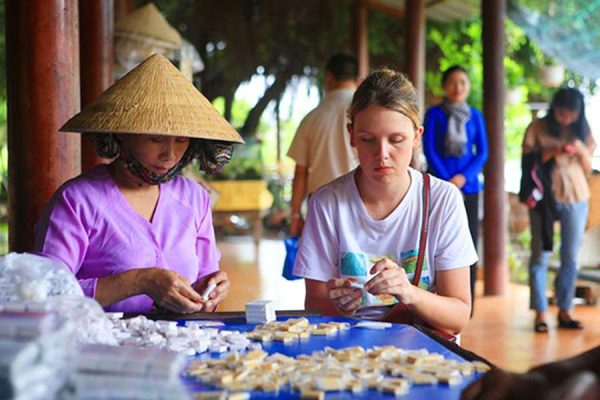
(135, 233)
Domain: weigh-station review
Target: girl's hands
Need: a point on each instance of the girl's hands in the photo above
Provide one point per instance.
(345, 298)
(218, 294)
(169, 290)
(390, 279)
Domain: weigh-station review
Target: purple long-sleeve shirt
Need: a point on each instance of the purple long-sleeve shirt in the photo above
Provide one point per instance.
(89, 225)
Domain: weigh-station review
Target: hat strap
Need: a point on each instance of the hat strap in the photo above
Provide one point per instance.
(150, 177)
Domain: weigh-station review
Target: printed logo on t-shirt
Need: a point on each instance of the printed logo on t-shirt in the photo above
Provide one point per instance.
(357, 265)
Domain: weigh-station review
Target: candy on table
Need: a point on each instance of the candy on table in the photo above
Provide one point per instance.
(212, 395)
(293, 329)
(372, 325)
(385, 368)
(312, 394)
(260, 312)
(203, 323)
(480, 366)
(193, 338)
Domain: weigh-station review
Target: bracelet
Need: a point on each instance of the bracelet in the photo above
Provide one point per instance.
(295, 216)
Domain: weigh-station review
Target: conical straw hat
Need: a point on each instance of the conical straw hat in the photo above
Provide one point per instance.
(147, 24)
(154, 98)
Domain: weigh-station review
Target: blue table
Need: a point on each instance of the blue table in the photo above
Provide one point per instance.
(399, 335)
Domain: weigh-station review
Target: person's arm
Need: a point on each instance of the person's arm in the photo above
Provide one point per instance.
(432, 129)
(543, 382)
(448, 309)
(298, 195)
(475, 165)
(549, 153)
(584, 152)
(209, 256)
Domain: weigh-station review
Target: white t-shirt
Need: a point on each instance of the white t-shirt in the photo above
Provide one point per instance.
(340, 239)
(322, 142)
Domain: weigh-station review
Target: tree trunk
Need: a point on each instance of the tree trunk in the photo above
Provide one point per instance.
(228, 106)
(272, 93)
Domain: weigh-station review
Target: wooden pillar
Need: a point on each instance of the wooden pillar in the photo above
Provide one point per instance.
(415, 46)
(495, 221)
(123, 7)
(96, 29)
(361, 39)
(43, 92)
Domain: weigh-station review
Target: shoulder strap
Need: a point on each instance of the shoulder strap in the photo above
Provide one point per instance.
(424, 229)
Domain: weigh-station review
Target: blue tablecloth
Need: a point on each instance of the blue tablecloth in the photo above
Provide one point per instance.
(399, 335)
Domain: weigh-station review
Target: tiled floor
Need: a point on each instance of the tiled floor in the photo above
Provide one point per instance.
(501, 329)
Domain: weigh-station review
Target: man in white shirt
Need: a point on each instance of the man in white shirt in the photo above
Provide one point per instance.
(321, 147)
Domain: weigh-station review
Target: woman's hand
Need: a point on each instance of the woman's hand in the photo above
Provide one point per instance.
(458, 180)
(571, 148)
(346, 299)
(169, 290)
(390, 279)
(218, 294)
(296, 225)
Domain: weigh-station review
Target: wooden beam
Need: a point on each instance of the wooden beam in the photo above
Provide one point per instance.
(495, 224)
(96, 27)
(415, 45)
(123, 7)
(42, 42)
(396, 12)
(360, 38)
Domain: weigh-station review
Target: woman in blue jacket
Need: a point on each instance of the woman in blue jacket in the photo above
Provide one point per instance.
(455, 145)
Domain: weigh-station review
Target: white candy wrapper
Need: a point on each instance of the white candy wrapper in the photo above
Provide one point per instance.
(208, 291)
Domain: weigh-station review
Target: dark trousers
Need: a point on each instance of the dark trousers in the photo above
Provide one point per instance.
(472, 207)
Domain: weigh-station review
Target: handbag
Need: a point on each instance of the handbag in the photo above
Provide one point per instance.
(400, 312)
(291, 248)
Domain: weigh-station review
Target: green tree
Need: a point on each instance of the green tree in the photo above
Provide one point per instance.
(239, 38)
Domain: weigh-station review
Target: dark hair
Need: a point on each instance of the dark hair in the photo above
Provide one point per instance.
(571, 99)
(343, 67)
(449, 71)
(390, 89)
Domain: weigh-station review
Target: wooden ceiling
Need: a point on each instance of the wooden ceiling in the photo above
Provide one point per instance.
(437, 10)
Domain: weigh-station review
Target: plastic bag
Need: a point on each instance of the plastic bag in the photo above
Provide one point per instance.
(30, 282)
(29, 277)
(291, 248)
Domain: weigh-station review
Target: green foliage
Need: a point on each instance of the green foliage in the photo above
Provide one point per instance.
(247, 161)
(457, 43)
(3, 238)
(385, 40)
(3, 152)
(239, 110)
(516, 119)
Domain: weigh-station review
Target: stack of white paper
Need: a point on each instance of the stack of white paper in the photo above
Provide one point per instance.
(260, 312)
